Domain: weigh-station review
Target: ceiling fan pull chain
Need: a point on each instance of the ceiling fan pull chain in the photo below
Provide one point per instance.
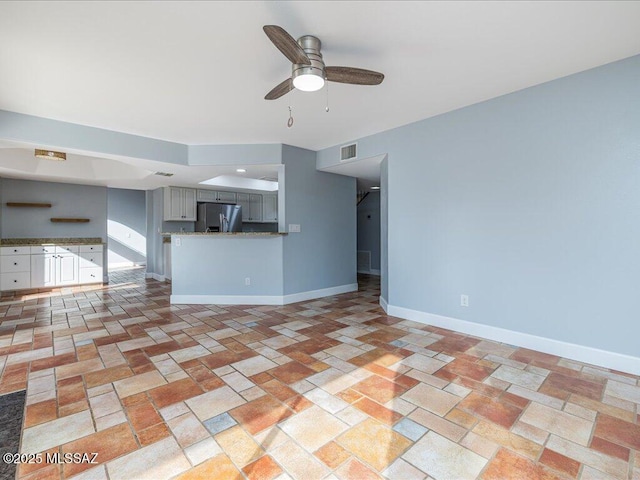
(326, 109)
(290, 121)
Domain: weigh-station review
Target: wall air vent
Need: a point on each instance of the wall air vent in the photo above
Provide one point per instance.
(164, 174)
(348, 152)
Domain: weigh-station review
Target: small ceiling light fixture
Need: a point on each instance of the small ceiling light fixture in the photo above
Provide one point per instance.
(307, 82)
(51, 155)
(241, 170)
(375, 188)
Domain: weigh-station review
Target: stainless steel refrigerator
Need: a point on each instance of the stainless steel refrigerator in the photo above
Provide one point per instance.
(219, 217)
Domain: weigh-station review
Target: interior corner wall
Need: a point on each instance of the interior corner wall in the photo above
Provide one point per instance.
(323, 254)
(1, 180)
(126, 227)
(384, 230)
(151, 244)
(67, 200)
(369, 228)
(529, 204)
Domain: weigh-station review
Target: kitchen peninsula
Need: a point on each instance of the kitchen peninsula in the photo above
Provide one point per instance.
(227, 268)
(245, 268)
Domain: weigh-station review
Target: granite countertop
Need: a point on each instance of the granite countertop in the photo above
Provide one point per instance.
(14, 242)
(238, 234)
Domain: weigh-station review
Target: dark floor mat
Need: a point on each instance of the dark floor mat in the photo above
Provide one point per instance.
(11, 411)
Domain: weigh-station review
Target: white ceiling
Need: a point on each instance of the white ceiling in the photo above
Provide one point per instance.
(197, 72)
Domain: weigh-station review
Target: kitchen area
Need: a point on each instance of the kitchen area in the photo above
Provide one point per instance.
(207, 211)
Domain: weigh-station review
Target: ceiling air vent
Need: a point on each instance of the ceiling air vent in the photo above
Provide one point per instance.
(269, 179)
(348, 152)
(164, 174)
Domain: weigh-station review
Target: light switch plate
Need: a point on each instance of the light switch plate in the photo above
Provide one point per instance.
(294, 228)
(178, 242)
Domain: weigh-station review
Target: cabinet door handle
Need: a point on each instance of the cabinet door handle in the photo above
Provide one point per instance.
(15, 263)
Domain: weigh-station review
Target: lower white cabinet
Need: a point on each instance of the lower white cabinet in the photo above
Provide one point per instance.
(67, 271)
(43, 270)
(15, 280)
(51, 266)
(54, 269)
(15, 265)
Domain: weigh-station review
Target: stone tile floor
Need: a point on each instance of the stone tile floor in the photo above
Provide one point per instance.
(331, 388)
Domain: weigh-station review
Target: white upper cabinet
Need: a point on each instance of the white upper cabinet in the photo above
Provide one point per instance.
(179, 204)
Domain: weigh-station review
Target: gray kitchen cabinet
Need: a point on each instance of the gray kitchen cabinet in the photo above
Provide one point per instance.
(216, 197)
(179, 204)
(251, 204)
(226, 197)
(269, 208)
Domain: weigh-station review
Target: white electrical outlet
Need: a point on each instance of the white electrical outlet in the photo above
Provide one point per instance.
(464, 300)
(247, 281)
(178, 242)
(294, 228)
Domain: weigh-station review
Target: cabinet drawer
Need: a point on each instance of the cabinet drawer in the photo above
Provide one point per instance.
(91, 275)
(67, 249)
(43, 249)
(15, 280)
(90, 248)
(15, 250)
(90, 259)
(15, 263)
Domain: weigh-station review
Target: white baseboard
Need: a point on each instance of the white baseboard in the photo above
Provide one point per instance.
(323, 292)
(155, 276)
(384, 304)
(262, 299)
(372, 271)
(581, 353)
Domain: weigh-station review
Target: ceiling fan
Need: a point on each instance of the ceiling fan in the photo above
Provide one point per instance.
(308, 72)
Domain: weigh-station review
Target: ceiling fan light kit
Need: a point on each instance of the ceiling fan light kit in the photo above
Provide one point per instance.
(309, 78)
(308, 71)
(51, 155)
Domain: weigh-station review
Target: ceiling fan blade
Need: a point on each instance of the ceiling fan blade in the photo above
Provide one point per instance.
(279, 90)
(286, 44)
(356, 76)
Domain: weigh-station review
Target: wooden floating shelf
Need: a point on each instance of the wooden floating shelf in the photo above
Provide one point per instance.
(25, 204)
(70, 220)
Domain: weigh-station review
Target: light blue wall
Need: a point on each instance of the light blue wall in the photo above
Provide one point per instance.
(369, 227)
(126, 226)
(70, 136)
(384, 230)
(219, 265)
(323, 254)
(529, 203)
(67, 200)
